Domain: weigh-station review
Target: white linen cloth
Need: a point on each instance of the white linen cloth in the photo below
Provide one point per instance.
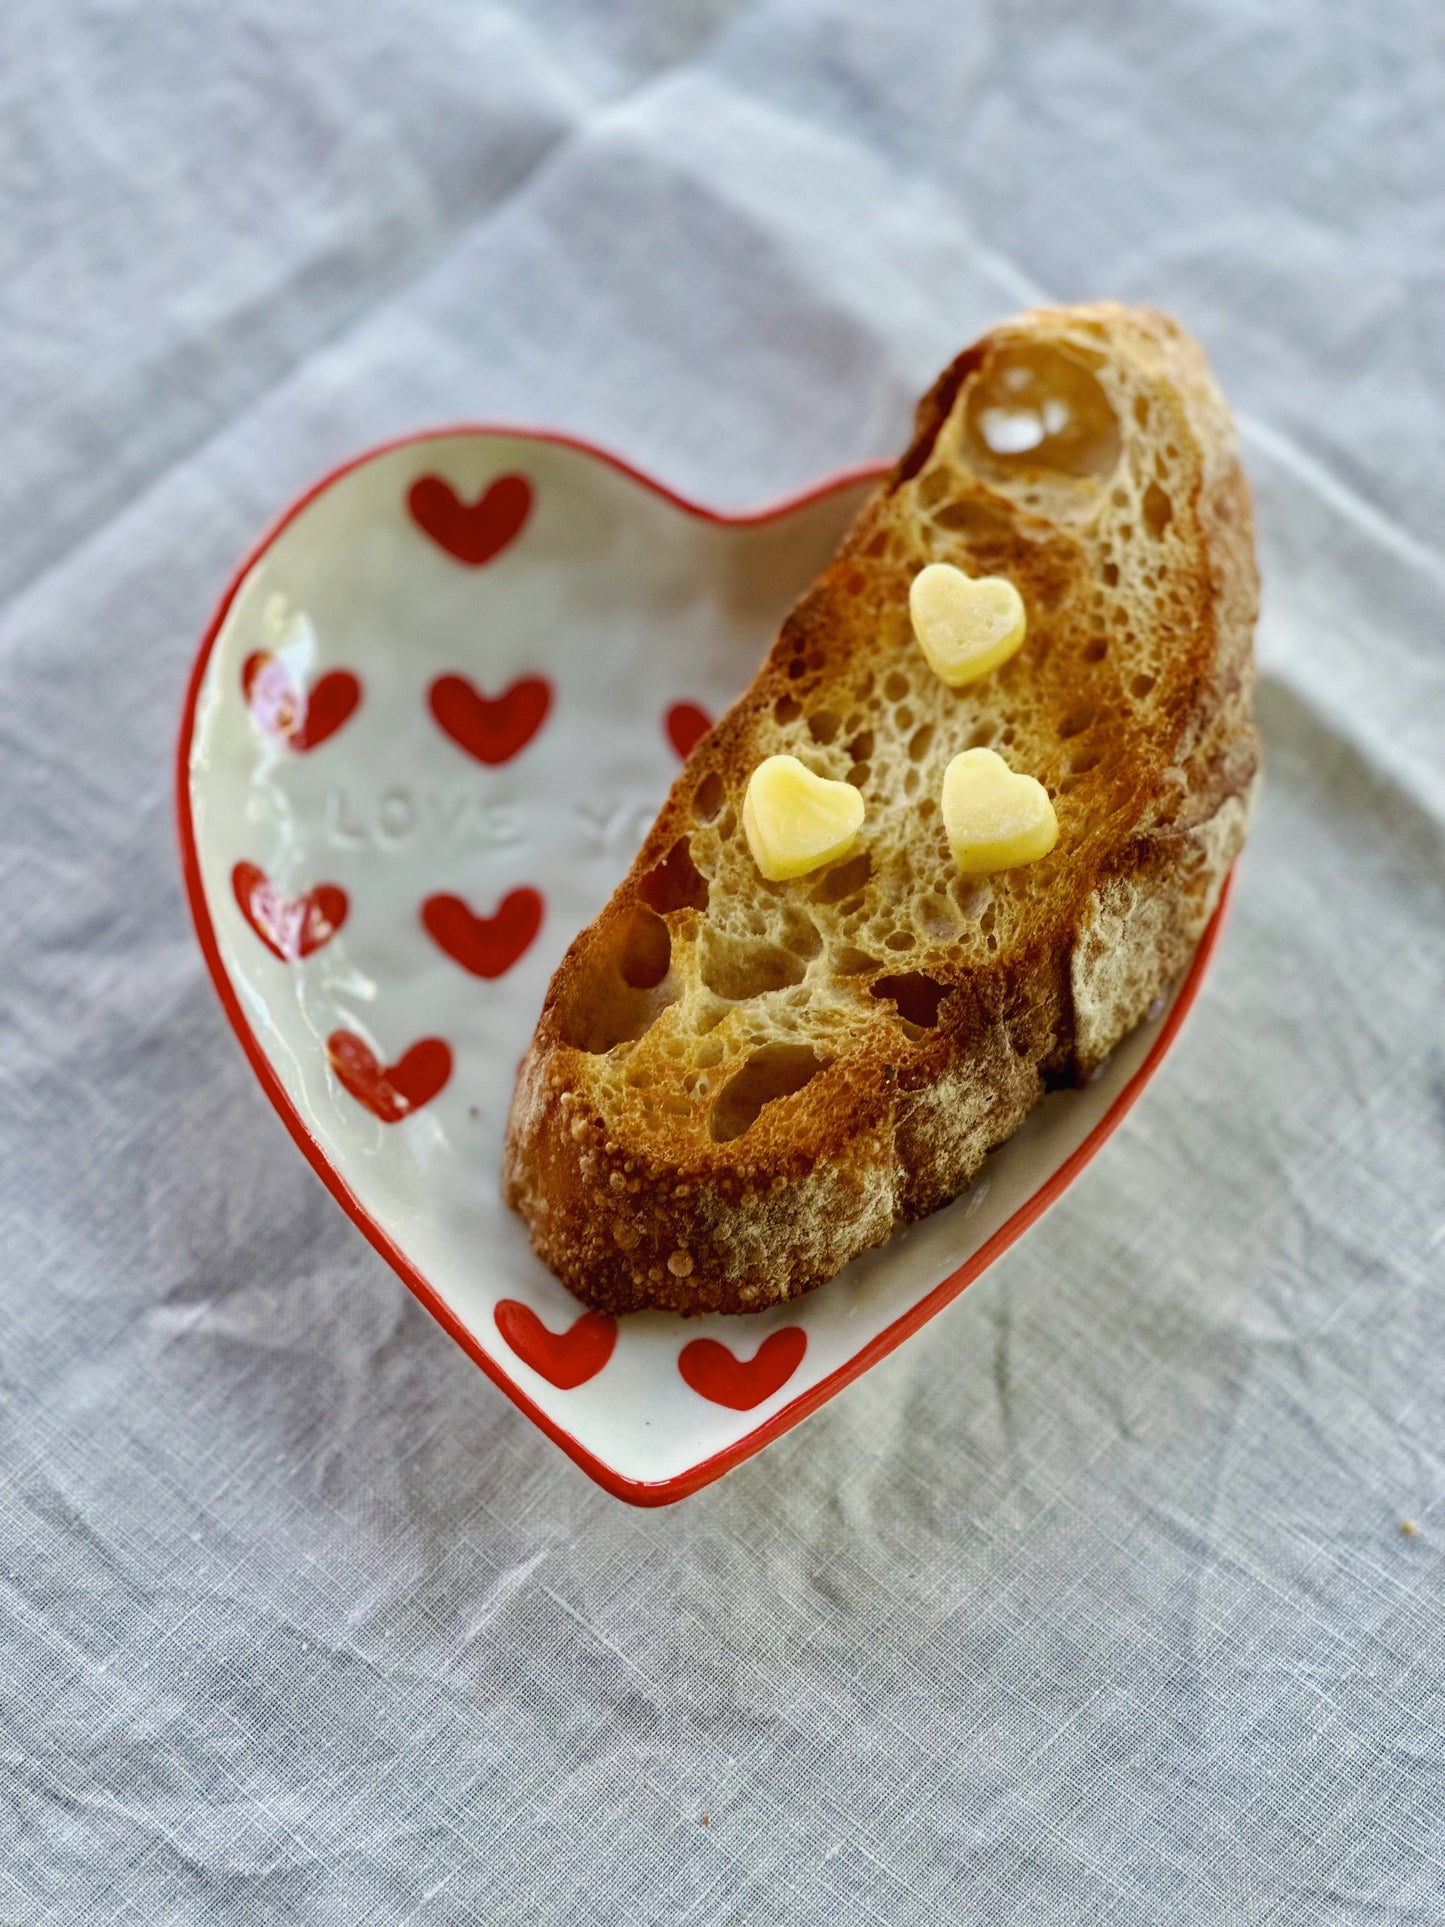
(1099, 1601)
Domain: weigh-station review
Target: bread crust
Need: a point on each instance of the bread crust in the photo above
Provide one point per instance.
(1128, 531)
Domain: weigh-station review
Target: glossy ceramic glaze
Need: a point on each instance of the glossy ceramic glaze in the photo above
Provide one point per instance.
(426, 732)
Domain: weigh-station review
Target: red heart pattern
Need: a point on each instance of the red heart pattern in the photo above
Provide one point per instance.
(303, 720)
(565, 1359)
(486, 946)
(494, 729)
(389, 1091)
(472, 533)
(714, 1373)
(290, 927)
(686, 724)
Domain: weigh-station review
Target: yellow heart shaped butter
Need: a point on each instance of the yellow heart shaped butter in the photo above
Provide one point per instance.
(795, 821)
(965, 625)
(995, 818)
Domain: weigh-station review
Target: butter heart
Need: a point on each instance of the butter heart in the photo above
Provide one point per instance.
(795, 821)
(965, 625)
(995, 818)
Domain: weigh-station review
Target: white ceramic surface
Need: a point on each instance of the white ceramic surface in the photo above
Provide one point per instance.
(425, 686)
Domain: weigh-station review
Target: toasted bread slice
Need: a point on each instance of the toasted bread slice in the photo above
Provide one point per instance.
(735, 1086)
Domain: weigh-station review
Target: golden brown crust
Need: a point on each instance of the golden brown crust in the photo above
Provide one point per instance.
(735, 1086)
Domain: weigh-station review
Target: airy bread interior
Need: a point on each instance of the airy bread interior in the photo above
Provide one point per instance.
(717, 1040)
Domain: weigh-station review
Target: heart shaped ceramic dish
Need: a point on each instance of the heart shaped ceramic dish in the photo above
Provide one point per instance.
(425, 733)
